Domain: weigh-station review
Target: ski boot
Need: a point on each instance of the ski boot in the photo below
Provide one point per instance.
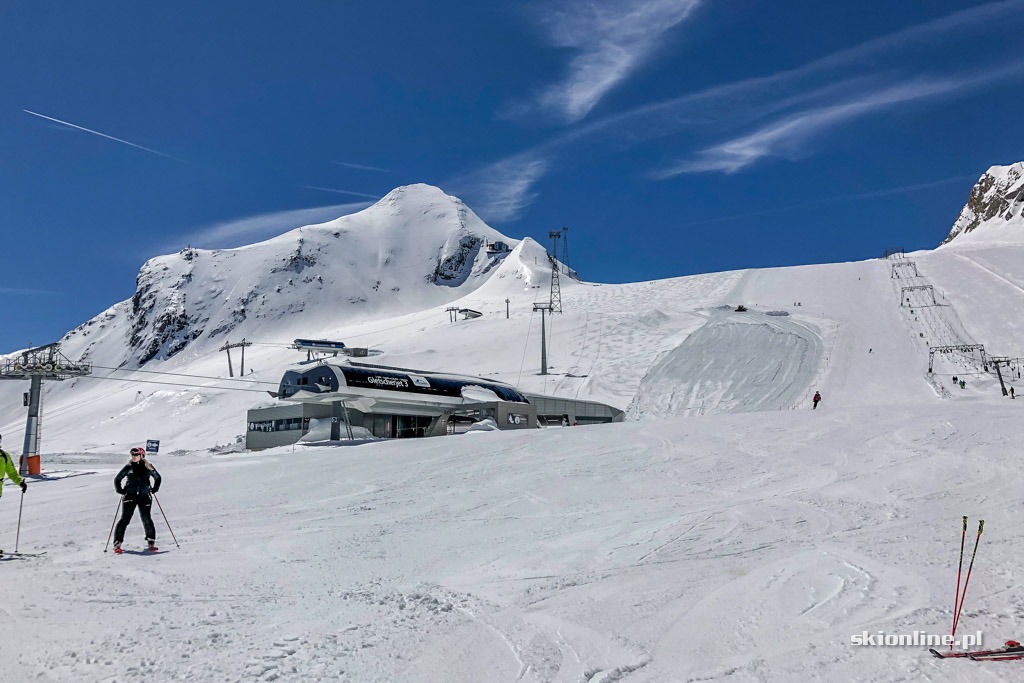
(117, 548)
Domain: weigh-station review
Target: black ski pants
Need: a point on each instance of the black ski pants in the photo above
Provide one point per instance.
(126, 516)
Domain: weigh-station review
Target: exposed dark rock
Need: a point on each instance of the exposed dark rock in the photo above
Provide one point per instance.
(998, 195)
(453, 269)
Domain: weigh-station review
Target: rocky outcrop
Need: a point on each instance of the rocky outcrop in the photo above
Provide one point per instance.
(160, 323)
(997, 198)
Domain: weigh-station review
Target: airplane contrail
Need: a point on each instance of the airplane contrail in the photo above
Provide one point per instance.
(361, 167)
(330, 189)
(104, 135)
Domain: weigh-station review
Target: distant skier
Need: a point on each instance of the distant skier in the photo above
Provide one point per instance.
(955, 380)
(1011, 393)
(963, 384)
(816, 399)
(7, 466)
(137, 492)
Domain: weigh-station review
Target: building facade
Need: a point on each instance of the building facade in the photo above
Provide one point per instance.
(370, 404)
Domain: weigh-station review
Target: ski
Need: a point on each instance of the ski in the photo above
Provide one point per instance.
(1010, 647)
(953, 655)
(3, 554)
(995, 659)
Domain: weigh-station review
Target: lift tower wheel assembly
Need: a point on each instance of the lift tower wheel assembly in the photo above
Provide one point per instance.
(35, 365)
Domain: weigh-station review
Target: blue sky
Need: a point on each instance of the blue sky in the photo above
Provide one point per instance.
(672, 136)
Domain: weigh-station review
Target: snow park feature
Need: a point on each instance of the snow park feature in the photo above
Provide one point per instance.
(724, 531)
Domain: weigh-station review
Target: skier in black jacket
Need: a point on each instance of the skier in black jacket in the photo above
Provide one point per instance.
(137, 492)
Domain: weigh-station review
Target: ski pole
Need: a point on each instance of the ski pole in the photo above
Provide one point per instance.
(172, 530)
(116, 510)
(956, 600)
(18, 537)
(956, 619)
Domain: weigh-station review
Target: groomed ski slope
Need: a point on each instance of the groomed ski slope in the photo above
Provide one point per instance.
(747, 543)
(732, 547)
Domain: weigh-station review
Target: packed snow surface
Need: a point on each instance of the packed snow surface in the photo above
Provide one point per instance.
(726, 532)
(731, 547)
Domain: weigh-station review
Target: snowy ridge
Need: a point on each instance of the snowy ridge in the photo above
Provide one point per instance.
(997, 203)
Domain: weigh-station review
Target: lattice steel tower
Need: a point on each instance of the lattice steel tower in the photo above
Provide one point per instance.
(556, 289)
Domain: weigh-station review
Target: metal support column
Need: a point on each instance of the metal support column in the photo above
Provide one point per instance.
(30, 452)
(543, 308)
(1002, 385)
(543, 346)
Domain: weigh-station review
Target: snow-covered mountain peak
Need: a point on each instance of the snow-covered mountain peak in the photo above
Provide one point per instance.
(416, 248)
(997, 202)
(417, 194)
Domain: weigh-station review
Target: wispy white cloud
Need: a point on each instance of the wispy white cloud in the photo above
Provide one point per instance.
(903, 189)
(788, 136)
(104, 135)
(360, 167)
(784, 137)
(24, 290)
(251, 229)
(501, 191)
(349, 192)
(612, 39)
(754, 97)
(821, 88)
(983, 16)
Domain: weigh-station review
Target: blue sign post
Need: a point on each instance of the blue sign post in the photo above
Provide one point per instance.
(153, 446)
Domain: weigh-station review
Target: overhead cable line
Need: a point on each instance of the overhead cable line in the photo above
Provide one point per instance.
(180, 374)
(175, 384)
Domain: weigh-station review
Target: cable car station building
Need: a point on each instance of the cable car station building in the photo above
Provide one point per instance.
(362, 399)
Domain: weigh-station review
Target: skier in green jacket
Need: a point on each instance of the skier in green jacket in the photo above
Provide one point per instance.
(7, 466)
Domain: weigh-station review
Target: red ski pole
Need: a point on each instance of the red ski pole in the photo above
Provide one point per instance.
(956, 619)
(956, 600)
